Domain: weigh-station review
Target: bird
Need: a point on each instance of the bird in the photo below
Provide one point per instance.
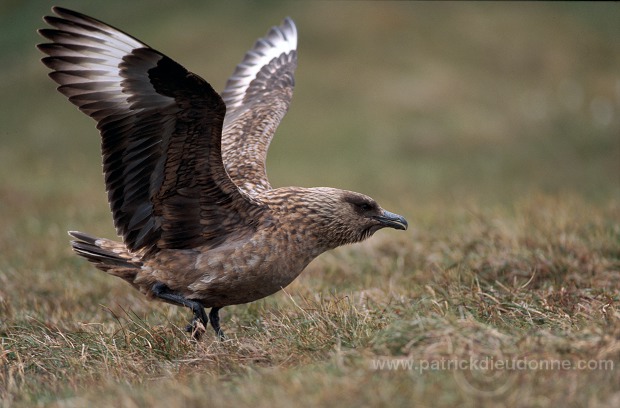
(184, 169)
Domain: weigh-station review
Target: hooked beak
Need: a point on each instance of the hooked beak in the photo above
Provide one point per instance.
(391, 220)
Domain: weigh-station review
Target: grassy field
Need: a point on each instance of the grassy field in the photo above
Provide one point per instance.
(493, 128)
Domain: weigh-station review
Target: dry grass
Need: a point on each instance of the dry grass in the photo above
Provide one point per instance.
(501, 149)
(537, 283)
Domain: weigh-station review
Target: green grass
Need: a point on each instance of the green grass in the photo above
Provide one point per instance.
(492, 127)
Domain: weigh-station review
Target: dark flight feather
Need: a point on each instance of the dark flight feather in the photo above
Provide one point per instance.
(161, 133)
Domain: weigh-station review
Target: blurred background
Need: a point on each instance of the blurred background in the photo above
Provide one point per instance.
(412, 103)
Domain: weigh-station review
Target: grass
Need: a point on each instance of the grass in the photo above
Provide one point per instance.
(501, 150)
(538, 283)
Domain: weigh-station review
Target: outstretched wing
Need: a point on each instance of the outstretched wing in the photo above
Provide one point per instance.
(161, 133)
(257, 97)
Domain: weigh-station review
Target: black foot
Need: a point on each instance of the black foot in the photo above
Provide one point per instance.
(163, 292)
(196, 326)
(215, 322)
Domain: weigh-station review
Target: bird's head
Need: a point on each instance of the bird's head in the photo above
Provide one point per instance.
(340, 217)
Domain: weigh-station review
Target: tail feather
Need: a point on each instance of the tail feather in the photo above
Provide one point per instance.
(109, 256)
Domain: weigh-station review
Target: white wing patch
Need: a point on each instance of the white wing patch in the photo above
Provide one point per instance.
(88, 55)
(279, 40)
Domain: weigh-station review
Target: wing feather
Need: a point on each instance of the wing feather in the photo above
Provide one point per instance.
(257, 97)
(161, 130)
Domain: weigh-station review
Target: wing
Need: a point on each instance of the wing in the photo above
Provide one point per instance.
(160, 131)
(257, 97)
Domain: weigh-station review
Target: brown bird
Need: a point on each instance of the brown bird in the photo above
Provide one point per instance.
(185, 170)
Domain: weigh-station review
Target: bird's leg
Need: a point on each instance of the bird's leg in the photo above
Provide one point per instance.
(163, 292)
(214, 317)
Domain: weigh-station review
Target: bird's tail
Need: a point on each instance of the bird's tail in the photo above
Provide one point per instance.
(109, 256)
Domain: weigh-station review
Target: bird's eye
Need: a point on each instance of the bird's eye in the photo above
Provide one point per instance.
(365, 207)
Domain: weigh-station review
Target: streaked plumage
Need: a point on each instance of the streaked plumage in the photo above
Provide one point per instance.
(257, 96)
(185, 169)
